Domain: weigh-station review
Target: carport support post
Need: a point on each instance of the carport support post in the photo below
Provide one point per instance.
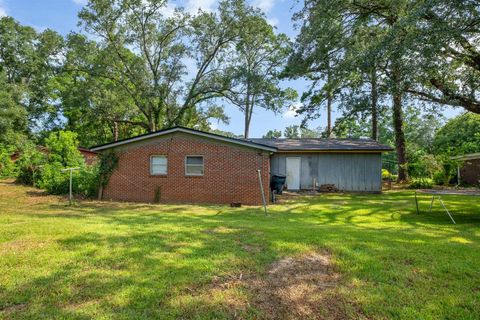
(263, 193)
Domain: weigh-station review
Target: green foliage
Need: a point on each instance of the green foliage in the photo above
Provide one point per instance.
(446, 170)
(295, 131)
(439, 177)
(30, 164)
(154, 47)
(62, 147)
(273, 134)
(226, 133)
(254, 65)
(13, 116)
(43, 168)
(292, 131)
(29, 60)
(108, 163)
(422, 164)
(8, 168)
(421, 183)
(386, 174)
(460, 135)
(84, 181)
(63, 153)
(53, 180)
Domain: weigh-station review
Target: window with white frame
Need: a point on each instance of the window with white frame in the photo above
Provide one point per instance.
(158, 165)
(194, 165)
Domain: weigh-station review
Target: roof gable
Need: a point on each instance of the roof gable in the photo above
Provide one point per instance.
(209, 135)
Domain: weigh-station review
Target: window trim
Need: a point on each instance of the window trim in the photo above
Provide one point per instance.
(151, 165)
(203, 165)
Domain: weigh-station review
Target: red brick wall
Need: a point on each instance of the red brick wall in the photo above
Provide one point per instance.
(230, 172)
(470, 172)
(90, 157)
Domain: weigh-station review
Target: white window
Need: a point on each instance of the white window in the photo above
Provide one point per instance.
(194, 165)
(158, 165)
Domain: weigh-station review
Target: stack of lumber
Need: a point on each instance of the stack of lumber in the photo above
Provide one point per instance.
(328, 188)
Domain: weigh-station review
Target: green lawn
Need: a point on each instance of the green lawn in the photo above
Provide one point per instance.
(124, 261)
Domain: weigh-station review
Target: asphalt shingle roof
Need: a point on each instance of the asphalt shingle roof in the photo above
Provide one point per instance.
(323, 144)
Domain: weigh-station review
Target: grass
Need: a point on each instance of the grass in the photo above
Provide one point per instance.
(115, 260)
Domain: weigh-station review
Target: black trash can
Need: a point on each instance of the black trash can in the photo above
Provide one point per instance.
(277, 182)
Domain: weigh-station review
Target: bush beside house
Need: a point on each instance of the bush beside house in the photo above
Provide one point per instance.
(43, 168)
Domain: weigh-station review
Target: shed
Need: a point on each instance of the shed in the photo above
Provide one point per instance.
(349, 164)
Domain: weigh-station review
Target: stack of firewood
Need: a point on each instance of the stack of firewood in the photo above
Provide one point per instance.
(328, 188)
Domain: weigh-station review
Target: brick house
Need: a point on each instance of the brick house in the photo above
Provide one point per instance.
(469, 169)
(190, 166)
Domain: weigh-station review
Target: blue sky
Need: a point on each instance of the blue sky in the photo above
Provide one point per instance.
(61, 16)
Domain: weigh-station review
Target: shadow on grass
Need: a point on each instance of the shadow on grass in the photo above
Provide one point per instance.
(150, 256)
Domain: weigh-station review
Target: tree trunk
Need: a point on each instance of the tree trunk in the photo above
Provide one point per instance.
(329, 115)
(115, 131)
(374, 97)
(248, 112)
(247, 125)
(329, 105)
(398, 124)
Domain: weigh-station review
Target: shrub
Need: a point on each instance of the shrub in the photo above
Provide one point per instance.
(7, 166)
(62, 147)
(84, 180)
(386, 174)
(423, 165)
(29, 164)
(53, 180)
(421, 183)
(439, 178)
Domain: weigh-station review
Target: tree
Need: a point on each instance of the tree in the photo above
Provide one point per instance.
(292, 132)
(96, 107)
(29, 62)
(150, 51)
(254, 65)
(443, 36)
(13, 116)
(342, 39)
(315, 58)
(273, 134)
(460, 135)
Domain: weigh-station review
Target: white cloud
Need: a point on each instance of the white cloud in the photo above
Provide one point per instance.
(81, 2)
(169, 10)
(193, 6)
(3, 10)
(273, 21)
(264, 5)
(292, 111)
(213, 125)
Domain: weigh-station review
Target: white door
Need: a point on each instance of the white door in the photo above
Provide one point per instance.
(293, 173)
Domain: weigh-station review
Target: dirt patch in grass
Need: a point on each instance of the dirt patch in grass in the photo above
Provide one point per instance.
(7, 311)
(301, 287)
(16, 246)
(220, 230)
